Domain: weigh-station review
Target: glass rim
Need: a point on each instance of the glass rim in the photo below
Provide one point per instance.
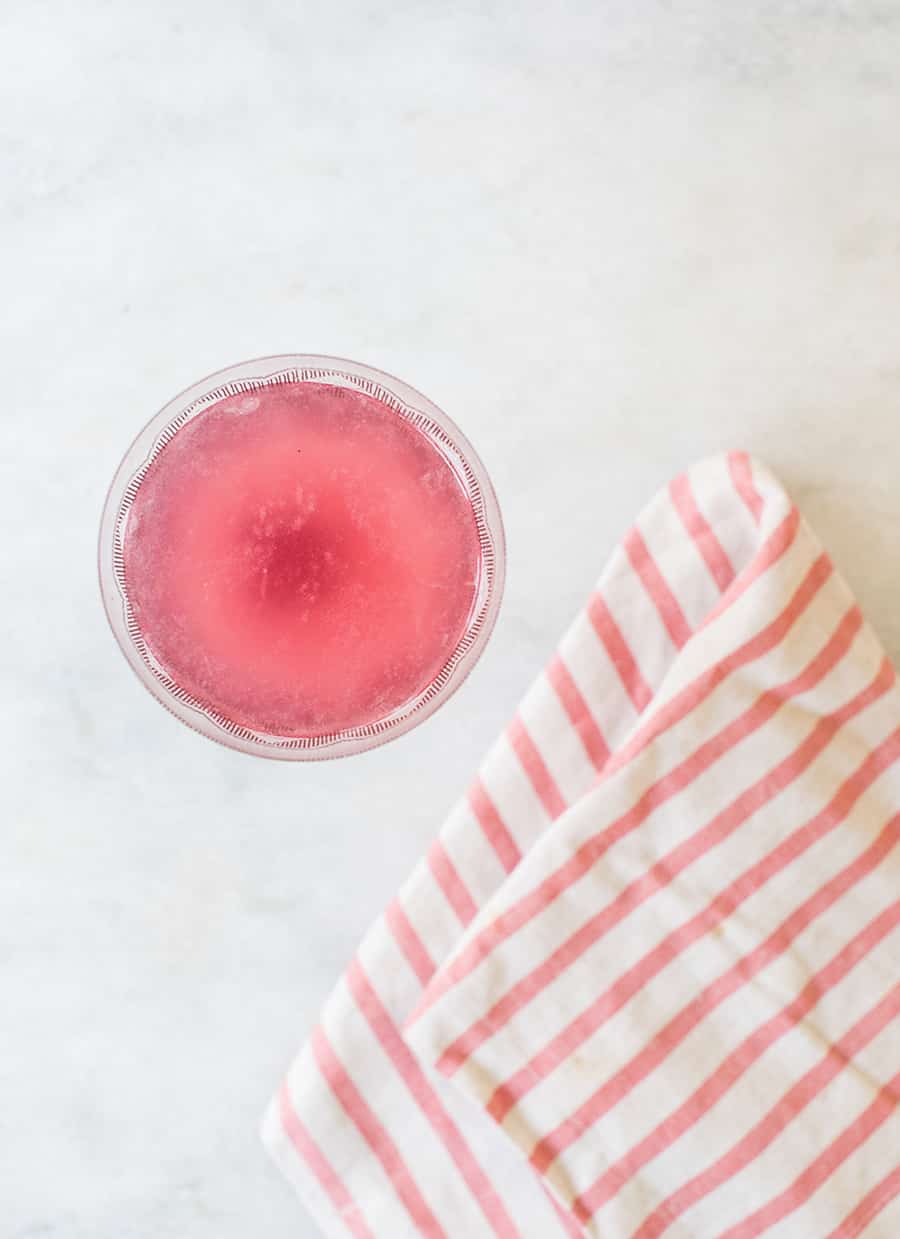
(248, 376)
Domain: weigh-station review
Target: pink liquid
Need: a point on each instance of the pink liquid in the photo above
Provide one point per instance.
(301, 559)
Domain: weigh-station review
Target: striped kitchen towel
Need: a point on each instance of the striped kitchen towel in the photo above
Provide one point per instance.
(647, 980)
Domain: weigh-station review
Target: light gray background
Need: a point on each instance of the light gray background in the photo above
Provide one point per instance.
(606, 237)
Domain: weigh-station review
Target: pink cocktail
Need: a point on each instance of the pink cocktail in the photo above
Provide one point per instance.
(301, 557)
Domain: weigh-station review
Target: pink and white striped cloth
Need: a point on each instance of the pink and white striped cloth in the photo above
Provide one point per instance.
(647, 980)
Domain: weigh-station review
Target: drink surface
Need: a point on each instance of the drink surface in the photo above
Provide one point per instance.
(301, 559)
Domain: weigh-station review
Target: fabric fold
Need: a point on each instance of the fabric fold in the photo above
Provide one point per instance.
(656, 941)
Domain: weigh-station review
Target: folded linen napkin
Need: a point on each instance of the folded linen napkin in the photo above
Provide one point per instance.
(658, 941)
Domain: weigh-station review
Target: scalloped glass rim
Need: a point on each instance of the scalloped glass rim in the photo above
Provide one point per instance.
(249, 376)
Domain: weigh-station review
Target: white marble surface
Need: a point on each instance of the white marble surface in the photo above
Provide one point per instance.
(607, 238)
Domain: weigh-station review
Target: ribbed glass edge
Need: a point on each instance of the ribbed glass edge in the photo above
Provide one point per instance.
(248, 377)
